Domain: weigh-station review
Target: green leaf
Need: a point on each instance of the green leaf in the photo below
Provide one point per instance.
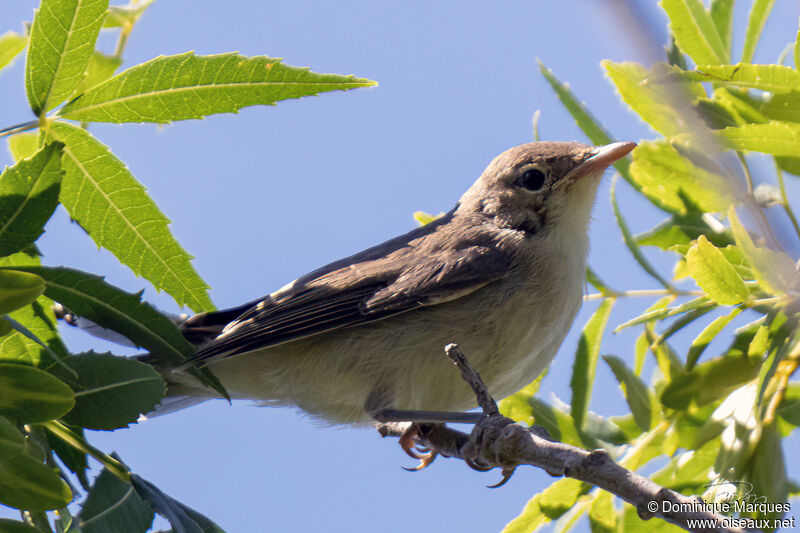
(12, 526)
(11, 440)
(548, 505)
(516, 406)
(666, 312)
(704, 338)
(767, 470)
(127, 15)
(673, 180)
(755, 25)
(710, 381)
(25, 483)
(23, 145)
(695, 31)
(690, 469)
(602, 516)
(101, 194)
(722, 16)
(682, 229)
(18, 289)
(101, 68)
(797, 51)
(784, 107)
(30, 395)
(557, 422)
(187, 86)
(789, 409)
(638, 395)
(774, 271)
(631, 80)
(776, 138)
(714, 274)
(630, 242)
(73, 458)
(62, 39)
(112, 506)
(631, 523)
(28, 196)
(772, 78)
(111, 392)
(585, 365)
(11, 44)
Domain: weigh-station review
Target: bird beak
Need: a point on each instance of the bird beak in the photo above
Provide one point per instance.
(602, 158)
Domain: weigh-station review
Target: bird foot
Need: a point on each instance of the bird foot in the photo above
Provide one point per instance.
(408, 441)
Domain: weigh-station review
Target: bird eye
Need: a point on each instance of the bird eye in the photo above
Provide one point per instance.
(532, 179)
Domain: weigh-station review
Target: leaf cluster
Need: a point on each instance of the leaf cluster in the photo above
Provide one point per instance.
(48, 395)
(716, 419)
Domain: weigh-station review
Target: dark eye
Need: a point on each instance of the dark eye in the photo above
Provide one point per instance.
(532, 179)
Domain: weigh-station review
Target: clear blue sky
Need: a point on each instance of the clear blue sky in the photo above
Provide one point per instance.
(262, 197)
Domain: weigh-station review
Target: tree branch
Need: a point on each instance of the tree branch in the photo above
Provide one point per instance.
(497, 441)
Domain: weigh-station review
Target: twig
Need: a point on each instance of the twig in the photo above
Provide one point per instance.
(499, 442)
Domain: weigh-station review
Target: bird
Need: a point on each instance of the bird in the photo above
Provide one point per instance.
(360, 340)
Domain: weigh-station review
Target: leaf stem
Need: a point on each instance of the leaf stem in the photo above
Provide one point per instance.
(747, 176)
(785, 200)
(19, 128)
(640, 293)
(79, 443)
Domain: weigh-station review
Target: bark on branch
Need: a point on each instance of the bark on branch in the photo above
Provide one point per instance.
(497, 441)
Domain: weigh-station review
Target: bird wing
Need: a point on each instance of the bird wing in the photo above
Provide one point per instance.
(359, 294)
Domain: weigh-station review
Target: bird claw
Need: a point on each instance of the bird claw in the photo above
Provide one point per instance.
(507, 473)
(421, 453)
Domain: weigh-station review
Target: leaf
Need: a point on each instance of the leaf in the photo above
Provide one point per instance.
(602, 516)
(12, 526)
(11, 44)
(695, 31)
(74, 459)
(516, 406)
(783, 107)
(29, 395)
(768, 470)
(789, 409)
(682, 229)
(28, 197)
(666, 312)
(188, 86)
(557, 422)
(704, 338)
(673, 181)
(112, 506)
(101, 68)
(26, 483)
(755, 25)
(709, 381)
(18, 289)
(797, 51)
(125, 16)
(11, 440)
(630, 242)
(714, 274)
(585, 365)
(690, 469)
(23, 145)
(776, 138)
(774, 271)
(638, 395)
(111, 392)
(722, 16)
(101, 194)
(548, 505)
(772, 78)
(62, 39)
(182, 517)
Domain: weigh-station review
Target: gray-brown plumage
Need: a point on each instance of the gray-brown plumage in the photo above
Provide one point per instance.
(501, 274)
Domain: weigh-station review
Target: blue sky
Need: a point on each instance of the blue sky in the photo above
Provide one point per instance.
(264, 196)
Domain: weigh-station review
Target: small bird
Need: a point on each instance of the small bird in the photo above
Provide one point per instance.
(361, 339)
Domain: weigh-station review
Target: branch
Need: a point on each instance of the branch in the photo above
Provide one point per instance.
(497, 441)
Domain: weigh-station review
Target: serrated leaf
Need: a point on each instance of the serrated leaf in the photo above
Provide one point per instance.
(704, 338)
(722, 16)
(18, 289)
(772, 78)
(23, 145)
(112, 506)
(62, 39)
(101, 194)
(30, 395)
(637, 394)
(26, 483)
(774, 271)
(110, 391)
(714, 274)
(187, 86)
(11, 44)
(695, 32)
(709, 381)
(28, 196)
(585, 364)
(127, 15)
(759, 12)
(670, 178)
(548, 505)
(101, 68)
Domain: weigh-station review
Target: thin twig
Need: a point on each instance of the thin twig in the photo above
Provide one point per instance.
(785, 200)
(19, 128)
(485, 400)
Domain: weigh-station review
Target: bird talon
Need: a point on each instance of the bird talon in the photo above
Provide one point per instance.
(475, 466)
(506, 476)
(417, 451)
